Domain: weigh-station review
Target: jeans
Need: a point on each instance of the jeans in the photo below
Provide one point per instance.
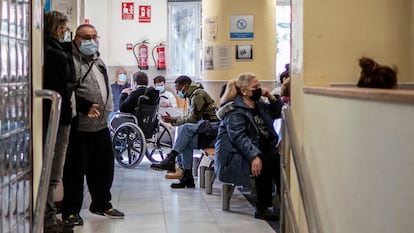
(61, 145)
(187, 140)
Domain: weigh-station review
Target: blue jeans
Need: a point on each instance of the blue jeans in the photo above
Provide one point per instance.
(187, 140)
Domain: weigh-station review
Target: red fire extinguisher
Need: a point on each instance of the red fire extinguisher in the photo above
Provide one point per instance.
(142, 57)
(160, 52)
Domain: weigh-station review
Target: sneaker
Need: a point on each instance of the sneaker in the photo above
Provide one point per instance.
(74, 219)
(167, 164)
(266, 215)
(110, 213)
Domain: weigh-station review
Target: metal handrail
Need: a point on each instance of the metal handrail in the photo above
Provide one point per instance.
(49, 147)
(303, 178)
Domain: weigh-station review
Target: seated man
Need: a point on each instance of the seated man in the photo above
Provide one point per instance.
(129, 98)
(167, 99)
(201, 107)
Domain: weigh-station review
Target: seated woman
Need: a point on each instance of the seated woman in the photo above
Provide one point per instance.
(374, 75)
(246, 141)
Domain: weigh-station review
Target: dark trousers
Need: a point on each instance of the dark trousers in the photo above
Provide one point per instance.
(89, 154)
(264, 182)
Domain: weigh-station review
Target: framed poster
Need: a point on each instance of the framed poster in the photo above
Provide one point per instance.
(244, 52)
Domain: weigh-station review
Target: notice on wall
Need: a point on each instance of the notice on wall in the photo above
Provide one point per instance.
(127, 11)
(210, 29)
(241, 27)
(66, 7)
(144, 14)
(217, 57)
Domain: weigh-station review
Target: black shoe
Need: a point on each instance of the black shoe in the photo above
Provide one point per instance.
(74, 219)
(110, 213)
(187, 180)
(167, 164)
(266, 215)
(51, 229)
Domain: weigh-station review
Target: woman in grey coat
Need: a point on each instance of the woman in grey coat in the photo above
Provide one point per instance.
(246, 140)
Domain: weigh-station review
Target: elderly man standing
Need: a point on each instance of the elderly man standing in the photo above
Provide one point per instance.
(89, 152)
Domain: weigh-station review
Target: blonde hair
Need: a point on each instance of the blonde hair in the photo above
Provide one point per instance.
(236, 86)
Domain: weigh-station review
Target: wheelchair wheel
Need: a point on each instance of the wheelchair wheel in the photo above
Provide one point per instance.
(158, 150)
(128, 144)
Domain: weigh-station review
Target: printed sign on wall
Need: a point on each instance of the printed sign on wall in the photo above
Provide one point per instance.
(144, 13)
(241, 27)
(127, 11)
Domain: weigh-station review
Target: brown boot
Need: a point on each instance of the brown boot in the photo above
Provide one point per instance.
(174, 175)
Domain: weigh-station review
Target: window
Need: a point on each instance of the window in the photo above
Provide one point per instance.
(184, 41)
(283, 13)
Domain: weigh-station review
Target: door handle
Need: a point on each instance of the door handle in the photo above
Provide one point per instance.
(48, 150)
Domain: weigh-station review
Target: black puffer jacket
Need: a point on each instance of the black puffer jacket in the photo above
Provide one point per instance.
(59, 76)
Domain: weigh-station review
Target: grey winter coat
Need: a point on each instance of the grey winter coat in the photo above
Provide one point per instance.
(88, 91)
(238, 138)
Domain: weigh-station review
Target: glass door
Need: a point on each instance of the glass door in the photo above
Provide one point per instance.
(15, 115)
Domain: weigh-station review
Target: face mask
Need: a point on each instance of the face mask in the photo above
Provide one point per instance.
(160, 88)
(256, 94)
(180, 95)
(66, 37)
(88, 47)
(122, 77)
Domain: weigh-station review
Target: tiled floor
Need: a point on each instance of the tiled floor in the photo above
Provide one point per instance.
(151, 206)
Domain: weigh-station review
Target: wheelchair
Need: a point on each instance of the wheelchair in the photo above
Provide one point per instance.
(141, 135)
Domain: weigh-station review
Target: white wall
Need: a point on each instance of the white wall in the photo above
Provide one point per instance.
(360, 158)
(116, 33)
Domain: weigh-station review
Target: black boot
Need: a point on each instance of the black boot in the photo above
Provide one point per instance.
(167, 164)
(187, 180)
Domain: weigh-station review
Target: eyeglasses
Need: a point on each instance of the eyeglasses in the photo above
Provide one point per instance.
(89, 37)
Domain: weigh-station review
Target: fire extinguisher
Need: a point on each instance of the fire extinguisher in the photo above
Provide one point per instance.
(142, 57)
(160, 52)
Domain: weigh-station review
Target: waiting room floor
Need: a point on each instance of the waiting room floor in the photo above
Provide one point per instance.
(151, 206)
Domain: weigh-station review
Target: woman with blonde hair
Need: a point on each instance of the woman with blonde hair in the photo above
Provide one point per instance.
(246, 140)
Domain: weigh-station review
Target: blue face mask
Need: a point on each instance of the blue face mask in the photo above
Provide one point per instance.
(160, 88)
(88, 47)
(122, 77)
(180, 95)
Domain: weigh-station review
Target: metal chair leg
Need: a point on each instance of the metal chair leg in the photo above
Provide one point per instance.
(210, 176)
(226, 193)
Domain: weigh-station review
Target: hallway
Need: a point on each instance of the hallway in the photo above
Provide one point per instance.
(151, 206)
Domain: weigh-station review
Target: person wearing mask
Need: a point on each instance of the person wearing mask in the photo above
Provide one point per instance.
(129, 98)
(167, 99)
(201, 107)
(58, 76)
(90, 151)
(246, 141)
(119, 85)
